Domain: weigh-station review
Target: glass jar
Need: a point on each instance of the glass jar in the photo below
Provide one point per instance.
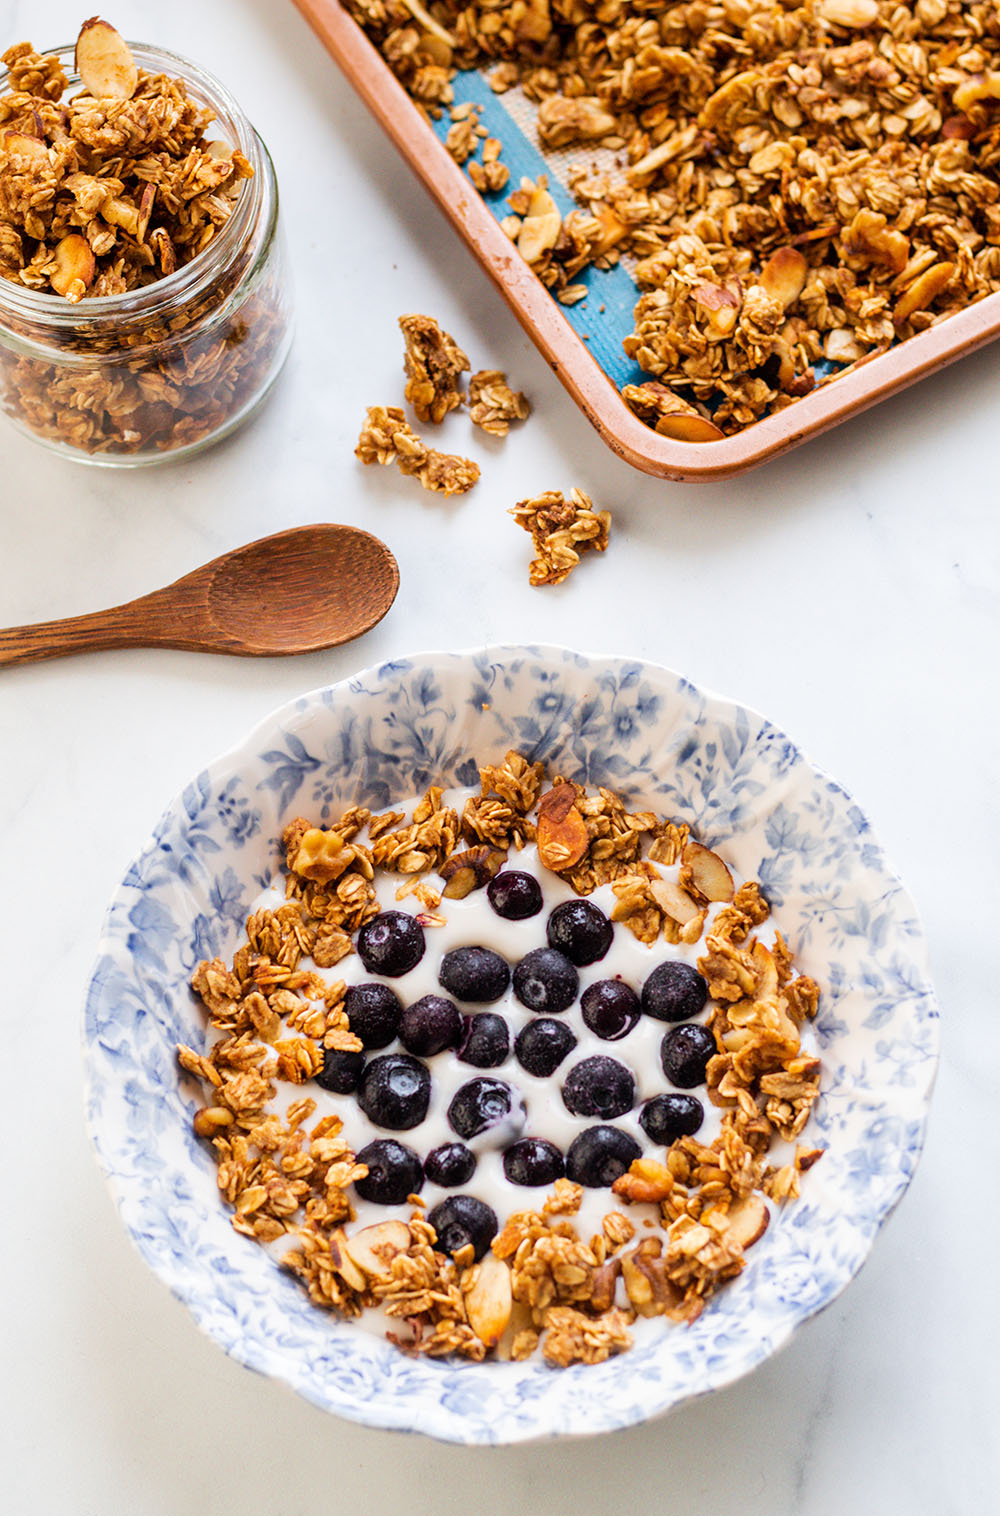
(159, 372)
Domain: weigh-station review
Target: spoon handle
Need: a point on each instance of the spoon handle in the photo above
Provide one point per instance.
(135, 624)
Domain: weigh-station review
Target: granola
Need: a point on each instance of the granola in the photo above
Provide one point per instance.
(860, 136)
(103, 193)
(493, 405)
(557, 1276)
(387, 437)
(562, 529)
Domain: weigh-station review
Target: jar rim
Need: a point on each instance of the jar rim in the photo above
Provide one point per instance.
(20, 300)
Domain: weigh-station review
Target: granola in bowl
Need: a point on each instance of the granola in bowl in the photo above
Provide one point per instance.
(610, 725)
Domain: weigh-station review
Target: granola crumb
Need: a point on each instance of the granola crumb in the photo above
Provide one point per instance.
(562, 529)
(493, 405)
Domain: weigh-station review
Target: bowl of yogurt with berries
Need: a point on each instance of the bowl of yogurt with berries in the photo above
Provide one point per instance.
(507, 1044)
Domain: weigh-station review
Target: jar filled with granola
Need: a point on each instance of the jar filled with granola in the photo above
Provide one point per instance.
(144, 308)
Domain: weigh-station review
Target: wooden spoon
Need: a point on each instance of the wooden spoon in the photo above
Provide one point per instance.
(307, 588)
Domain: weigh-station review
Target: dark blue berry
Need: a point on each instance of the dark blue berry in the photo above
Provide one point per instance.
(486, 1041)
(484, 1103)
(685, 1052)
(340, 1072)
(474, 973)
(546, 981)
(600, 1155)
(514, 895)
(395, 1091)
(533, 1161)
(673, 992)
(373, 1011)
(610, 1009)
(542, 1045)
(392, 943)
(599, 1086)
(462, 1219)
(667, 1117)
(450, 1165)
(430, 1025)
(580, 930)
(394, 1171)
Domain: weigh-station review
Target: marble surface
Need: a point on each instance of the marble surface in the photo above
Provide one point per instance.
(848, 590)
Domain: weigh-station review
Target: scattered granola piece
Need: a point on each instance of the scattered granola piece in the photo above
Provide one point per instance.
(561, 530)
(433, 363)
(386, 437)
(493, 405)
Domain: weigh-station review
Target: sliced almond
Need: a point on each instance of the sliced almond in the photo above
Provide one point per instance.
(561, 832)
(540, 228)
(683, 427)
(26, 147)
(489, 1299)
(104, 62)
(145, 211)
(784, 275)
(673, 901)
(708, 872)
(345, 1265)
(767, 972)
(748, 1220)
(75, 267)
(923, 291)
(851, 14)
(374, 1247)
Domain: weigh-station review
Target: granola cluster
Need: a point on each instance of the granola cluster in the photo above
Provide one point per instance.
(561, 529)
(105, 192)
(434, 364)
(543, 1283)
(863, 136)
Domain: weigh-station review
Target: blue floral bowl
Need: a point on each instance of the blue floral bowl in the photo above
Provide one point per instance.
(380, 737)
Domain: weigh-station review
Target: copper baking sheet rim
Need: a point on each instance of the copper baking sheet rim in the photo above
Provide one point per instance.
(850, 393)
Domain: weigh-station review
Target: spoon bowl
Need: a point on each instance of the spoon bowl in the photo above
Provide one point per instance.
(300, 590)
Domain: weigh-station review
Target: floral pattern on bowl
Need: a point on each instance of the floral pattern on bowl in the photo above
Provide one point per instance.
(384, 735)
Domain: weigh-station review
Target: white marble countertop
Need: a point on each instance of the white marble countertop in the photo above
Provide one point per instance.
(849, 590)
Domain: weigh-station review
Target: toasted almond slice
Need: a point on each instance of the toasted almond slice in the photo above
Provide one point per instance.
(488, 1301)
(784, 275)
(708, 872)
(28, 147)
(923, 291)
(75, 267)
(748, 1220)
(345, 1265)
(767, 970)
(104, 61)
(374, 1247)
(673, 901)
(851, 14)
(145, 211)
(683, 427)
(540, 228)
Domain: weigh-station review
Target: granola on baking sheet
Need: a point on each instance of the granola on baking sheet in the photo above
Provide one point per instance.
(680, 1218)
(860, 136)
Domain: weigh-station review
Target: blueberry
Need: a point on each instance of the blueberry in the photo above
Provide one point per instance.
(340, 1072)
(600, 1155)
(514, 895)
(395, 1091)
(430, 1025)
(373, 1011)
(684, 1053)
(462, 1219)
(394, 1171)
(667, 1117)
(484, 1103)
(486, 1041)
(599, 1086)
(474, 973)
(545, 980)
(392, 943)
(533, 1161)
(610, 1009)
(542, 1045)
(580, 930)
(673, 992)
(450, 1165)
